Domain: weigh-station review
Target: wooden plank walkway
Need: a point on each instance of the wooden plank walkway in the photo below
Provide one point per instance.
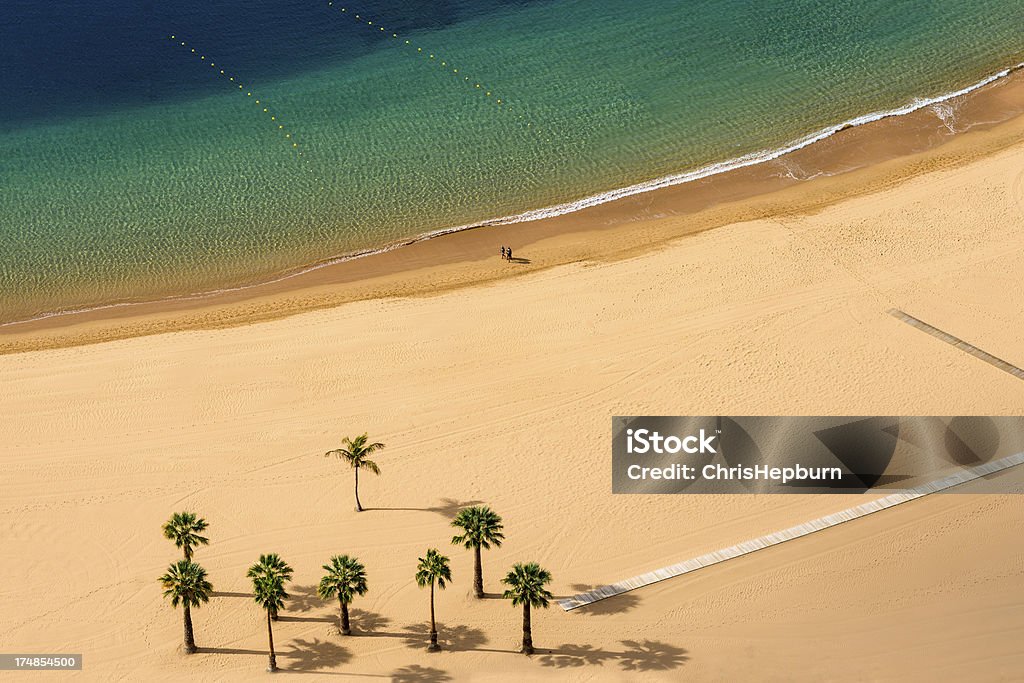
(753, 545)
(958, 343)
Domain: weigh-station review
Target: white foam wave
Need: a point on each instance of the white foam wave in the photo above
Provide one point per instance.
(733, 164)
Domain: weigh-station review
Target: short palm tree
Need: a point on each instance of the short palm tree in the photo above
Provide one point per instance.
(186, 585)
(356, 453)
(526, 587)
(433, 570)
(184, 528)
(345, 579)
(269, 593)
(481, 528)
(271, 565)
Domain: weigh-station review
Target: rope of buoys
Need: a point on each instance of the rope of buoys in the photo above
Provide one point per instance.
(261, 104)
(445, 64)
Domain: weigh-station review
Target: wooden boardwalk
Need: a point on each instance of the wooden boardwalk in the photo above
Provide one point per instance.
(958, 343)
(747, 547)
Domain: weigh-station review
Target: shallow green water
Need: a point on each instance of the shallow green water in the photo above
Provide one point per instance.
(195, 188)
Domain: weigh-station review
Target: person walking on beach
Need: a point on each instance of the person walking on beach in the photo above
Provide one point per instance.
(508, 253)
(503, 252)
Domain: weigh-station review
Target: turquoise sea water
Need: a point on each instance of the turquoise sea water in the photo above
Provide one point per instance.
(130, 168)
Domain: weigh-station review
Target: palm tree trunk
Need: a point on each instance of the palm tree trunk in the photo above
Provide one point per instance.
(359, 507)
(433, 647)
(478, 579)
(346, 629)
(188, 553)
(270, 636)
(527, 631)
(190, 641)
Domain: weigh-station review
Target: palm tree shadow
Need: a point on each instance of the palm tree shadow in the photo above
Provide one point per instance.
(617, 604)
(448, 507)
(229, 651)
(323, 620)
(314, 655)
(366, 623)
(414, 673)
(458, 638)
(302, 599)
(639, 656)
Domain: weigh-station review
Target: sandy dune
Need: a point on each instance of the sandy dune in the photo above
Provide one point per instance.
(503, 393)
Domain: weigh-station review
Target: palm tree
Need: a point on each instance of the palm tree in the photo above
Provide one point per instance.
(185, 584)
(345, 578)
(433, 569)
(355, 452)
(526, 587)
(269, 593)
(482, 527)
(183, 528)
(271, 565)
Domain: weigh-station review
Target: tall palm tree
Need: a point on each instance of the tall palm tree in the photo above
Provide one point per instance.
(345, 578)
(183, 528)
(269, 593)
(186, 585)
(356, 453)
(481, 527)
(433, 569)
(526, 587)
(271, 565)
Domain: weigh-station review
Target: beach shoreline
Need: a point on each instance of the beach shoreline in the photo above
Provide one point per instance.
(850, 161)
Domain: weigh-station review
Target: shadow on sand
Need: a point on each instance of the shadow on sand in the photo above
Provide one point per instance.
(228, 594)
(414, 673)
(366, 623)
(229, 651)
(617, 604)
(307, 656)
(322, 620)
(459, 638)
(448, 507)
(646, 655)
(303, 599)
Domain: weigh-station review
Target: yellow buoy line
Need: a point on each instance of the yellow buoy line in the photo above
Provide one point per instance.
(258, 102)
(425, 53)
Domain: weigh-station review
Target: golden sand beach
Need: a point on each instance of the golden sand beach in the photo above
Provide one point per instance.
(500, 390)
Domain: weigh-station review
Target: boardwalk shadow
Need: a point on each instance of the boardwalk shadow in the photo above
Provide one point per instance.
(414, 673)
(459, 638)
(617, 604)
(229, 594)
(638, 656)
